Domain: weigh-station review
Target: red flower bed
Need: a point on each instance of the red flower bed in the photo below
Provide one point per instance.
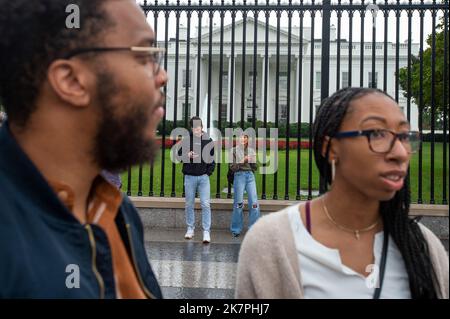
(226, 144)
(167, 142)
(281, 144)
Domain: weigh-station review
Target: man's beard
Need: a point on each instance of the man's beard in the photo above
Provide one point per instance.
(121, 142)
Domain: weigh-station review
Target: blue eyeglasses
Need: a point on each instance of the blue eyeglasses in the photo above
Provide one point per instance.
(382, 141)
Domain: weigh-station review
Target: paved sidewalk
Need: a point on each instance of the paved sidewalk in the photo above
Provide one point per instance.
(189, 269)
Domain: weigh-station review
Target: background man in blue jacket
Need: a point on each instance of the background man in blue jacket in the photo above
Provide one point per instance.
(78, 100)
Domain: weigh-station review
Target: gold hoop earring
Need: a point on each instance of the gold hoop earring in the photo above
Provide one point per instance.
(333, 169)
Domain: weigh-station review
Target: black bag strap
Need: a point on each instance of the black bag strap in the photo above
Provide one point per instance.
(308, 216)
(377, 292)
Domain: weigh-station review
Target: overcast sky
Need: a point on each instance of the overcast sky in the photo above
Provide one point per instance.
(307, 23)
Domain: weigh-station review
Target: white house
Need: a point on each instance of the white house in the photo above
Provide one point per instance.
(293, 72)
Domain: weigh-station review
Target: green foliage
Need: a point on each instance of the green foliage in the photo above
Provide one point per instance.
(427, 61)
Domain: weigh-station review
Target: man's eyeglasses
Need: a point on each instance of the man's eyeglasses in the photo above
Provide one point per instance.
(155, 54)
(382, 141)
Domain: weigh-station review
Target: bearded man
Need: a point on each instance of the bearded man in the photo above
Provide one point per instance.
(79, 101)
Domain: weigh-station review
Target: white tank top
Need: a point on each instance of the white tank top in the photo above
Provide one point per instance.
(325, 277)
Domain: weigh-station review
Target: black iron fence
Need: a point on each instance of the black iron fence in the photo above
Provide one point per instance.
(265, 64)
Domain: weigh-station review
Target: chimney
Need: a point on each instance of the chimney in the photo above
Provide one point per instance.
(182, 32)
(333, 33)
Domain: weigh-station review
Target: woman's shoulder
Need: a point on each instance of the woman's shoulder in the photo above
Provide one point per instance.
(270, 245)
(431, 237)
(435, 246)
(439, 259)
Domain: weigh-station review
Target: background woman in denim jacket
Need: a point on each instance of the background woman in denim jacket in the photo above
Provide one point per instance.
(243, 166)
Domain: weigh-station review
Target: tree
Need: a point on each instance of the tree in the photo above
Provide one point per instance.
(425, 108)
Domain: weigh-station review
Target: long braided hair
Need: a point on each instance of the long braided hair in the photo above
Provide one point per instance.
(405, 231)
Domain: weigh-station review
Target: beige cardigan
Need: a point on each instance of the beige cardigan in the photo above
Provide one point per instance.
(268, 261)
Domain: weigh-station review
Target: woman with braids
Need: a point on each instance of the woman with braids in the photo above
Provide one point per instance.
(356, 240)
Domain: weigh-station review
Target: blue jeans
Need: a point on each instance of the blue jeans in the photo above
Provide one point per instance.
(244, 180)
(191, 185)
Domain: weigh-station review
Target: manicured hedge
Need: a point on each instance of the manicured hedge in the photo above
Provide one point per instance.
(293, 127)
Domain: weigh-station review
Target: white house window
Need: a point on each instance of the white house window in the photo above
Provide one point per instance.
(344, 79)
(250, 83)
(283, 112)
(318, 78)
(283, 82)
(186, 109)
(225, 83)
(223, 113)
(373, 85)
(184, 78)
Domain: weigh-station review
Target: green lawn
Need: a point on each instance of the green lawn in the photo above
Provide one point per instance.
(426, 174)
(281, 177)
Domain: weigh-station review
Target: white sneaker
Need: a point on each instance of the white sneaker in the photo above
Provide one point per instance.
(189, 234)
(206, 237)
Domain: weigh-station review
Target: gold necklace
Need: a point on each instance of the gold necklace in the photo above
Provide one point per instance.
(355, 231)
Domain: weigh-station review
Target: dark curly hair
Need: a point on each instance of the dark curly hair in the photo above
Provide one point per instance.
(405, 231)
(32, 35)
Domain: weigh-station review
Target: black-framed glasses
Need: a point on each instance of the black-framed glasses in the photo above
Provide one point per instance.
(382, 141)
(153, 53)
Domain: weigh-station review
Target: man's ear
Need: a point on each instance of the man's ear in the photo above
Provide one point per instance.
(70, 81)
(332, 151)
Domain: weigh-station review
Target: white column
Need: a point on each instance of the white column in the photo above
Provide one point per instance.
(269, 103)
(263, 95)
(297, 82)
(194, 86)
(230, 89)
